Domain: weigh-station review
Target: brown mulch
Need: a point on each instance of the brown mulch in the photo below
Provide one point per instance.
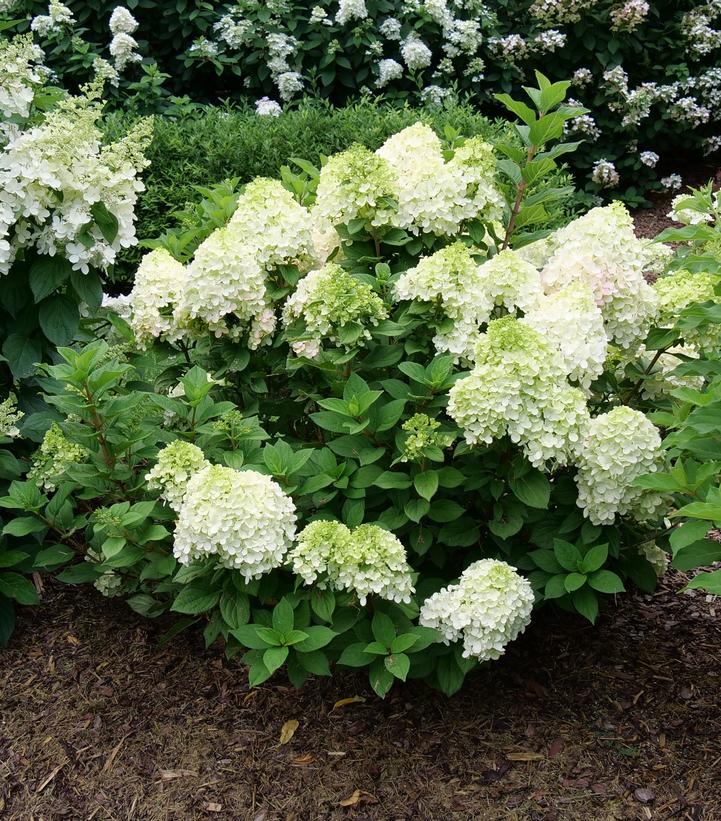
(573, 724)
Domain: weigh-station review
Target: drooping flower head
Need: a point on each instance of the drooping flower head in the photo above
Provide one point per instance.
(489, 607)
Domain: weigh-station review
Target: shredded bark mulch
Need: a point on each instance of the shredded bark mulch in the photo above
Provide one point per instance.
(620, 721)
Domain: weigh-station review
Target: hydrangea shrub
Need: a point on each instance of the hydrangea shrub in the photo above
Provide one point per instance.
(314, 449)
(67, 207)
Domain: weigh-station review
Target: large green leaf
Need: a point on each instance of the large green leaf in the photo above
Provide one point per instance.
(59, 319)
(22, 354)
(532, 488)
(47, 274)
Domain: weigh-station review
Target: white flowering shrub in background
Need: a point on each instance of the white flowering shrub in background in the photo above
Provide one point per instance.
(647, 72)
(375, 417)
(67, 204)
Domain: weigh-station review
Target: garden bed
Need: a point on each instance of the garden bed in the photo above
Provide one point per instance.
(618, 722)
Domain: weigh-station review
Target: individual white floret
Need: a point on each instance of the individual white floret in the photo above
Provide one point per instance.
(489, 607)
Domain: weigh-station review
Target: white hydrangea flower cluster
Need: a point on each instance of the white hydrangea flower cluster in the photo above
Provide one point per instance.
(319, 15)
(548, 41)
(367, 561)
(21, 72)
(177, 463)
(53, 174)
(434, 96)
(435, 196)
(687, 216)
(467, 292)
(604, 173)
(510, 48)
(241, 518)
(676, 292)
(350, 10)
(327, 300)
(489, 607)
(390, 28)
(265, 107)
(416, 54)
(123, 46)
(617, 447)
(582, 77)
(388, 70)
(270, 221)
(203, 48)
(233, 31)
(160, 282)
(54, 456)
(518, 388)
(355, 184)
(122, 21)
(58, 16)
(601, 250)
(450, 278)
(224, 287)
(649, 158)
(9, 417)
(630, 15)
(672, 182)
(105, 72)
(552, 12)
(697, 27)
(573, 322)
